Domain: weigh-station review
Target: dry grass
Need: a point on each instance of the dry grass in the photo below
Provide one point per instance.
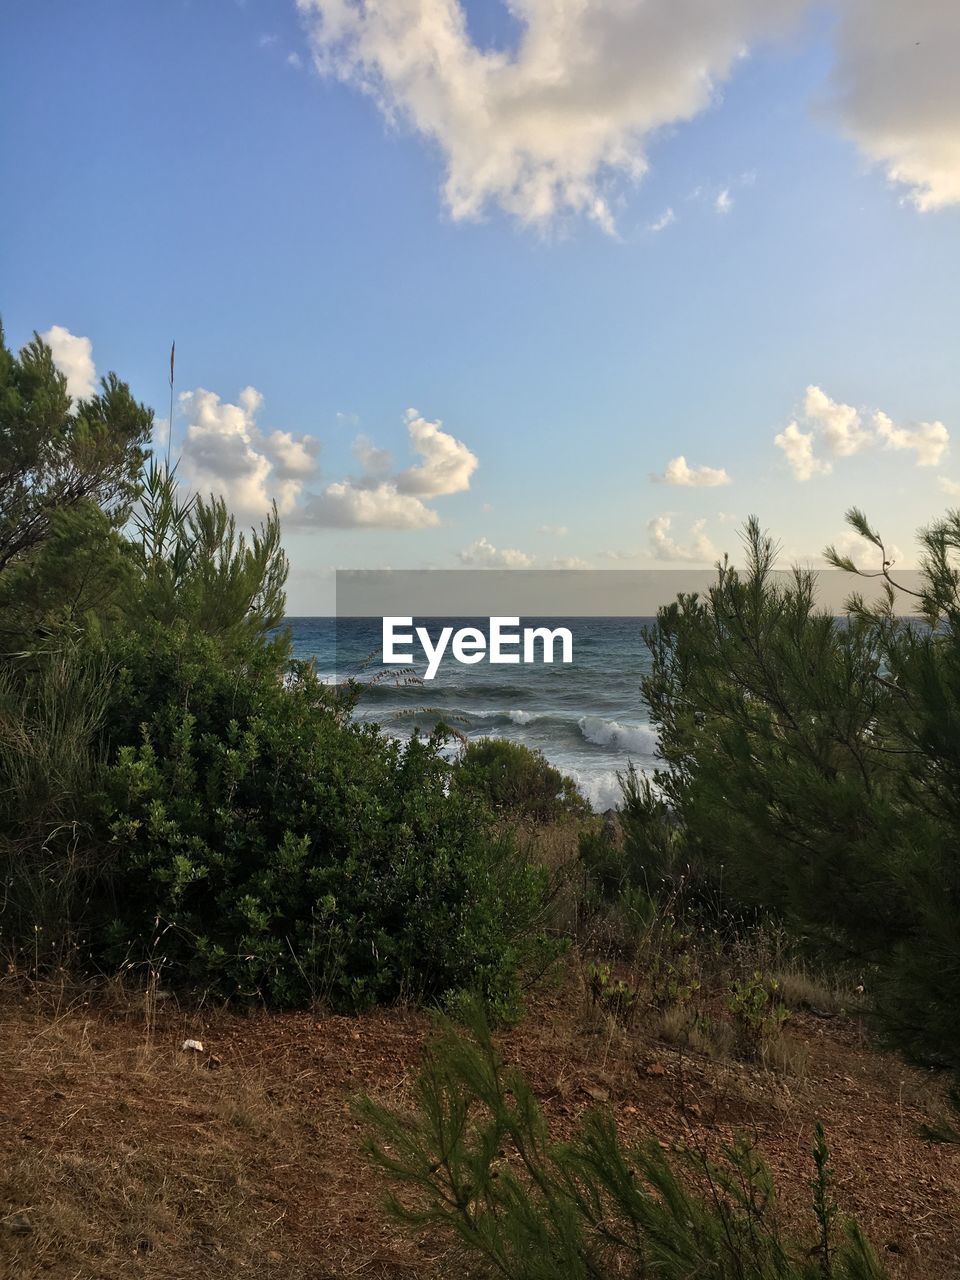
(122, 1155)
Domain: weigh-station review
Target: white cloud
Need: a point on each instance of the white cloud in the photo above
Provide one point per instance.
(292, 457)
(540, 131)
(226, 452)
(797, 446)
(569, 562)
(929, 440)
(724, 201)
(950, 486)
(664, 546)
(73, 356)
(349, 505)
(843, 432)
(377, 499)
(483, 555)
(266, 41)
(553, 530)
(840, 424)
(619, 555)
(294, 60)
(447, 463)
(897, 92)
(679, 473)
(666, 219)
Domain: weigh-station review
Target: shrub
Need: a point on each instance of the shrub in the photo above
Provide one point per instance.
(475, 1158)
(757, 1009)
(813, 768)
(264, 847)
(516, 781)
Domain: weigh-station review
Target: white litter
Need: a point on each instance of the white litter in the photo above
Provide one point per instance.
(192, 1046)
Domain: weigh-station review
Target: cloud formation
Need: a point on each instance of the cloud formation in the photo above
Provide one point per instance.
(378, 499)
(843, 432)
(352, 504)
(928, 440)
(840, 424)
(226, 452)
(547, 127)
(73, 356)
(540, 130)
(447, 463)
(570, 562)
(666, 219)
(897, 92)
(679, 473)
(665, 547)
(797, 446)
(482, 554)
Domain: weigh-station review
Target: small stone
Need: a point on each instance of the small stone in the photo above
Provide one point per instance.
(192, 1046)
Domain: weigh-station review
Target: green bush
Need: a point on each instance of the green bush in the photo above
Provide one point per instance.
(475, 1159)
(265, 847)
(642, 853)
(175, 792)
(516, 781)
(813, 767)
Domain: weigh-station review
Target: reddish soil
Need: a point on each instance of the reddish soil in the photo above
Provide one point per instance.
(124, 1155)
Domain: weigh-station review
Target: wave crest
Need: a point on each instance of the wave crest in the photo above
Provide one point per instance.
(640, 738)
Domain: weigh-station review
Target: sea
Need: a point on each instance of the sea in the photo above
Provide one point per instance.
(587, 717)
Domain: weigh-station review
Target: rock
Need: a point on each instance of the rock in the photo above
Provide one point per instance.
(192, 1046)
(18, 1224)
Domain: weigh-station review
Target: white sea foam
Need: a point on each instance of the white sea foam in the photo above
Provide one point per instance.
(639, 738)
(600, 788)
(521, 717)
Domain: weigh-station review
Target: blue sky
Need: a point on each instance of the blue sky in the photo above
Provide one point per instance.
(216, 173)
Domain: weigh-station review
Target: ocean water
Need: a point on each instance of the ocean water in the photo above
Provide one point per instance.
(587, 717)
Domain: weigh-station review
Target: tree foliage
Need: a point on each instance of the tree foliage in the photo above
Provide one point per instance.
(175, 791)
(58, 456)
(811, 766)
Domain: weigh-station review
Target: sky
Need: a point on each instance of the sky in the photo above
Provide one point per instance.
(530, 284)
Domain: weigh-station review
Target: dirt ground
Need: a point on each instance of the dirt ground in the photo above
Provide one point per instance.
(122, 1154)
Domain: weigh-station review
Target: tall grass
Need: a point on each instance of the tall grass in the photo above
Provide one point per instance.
(50, 721)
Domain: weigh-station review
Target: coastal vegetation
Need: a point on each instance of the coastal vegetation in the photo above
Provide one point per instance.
(179, 794)
(186, 809)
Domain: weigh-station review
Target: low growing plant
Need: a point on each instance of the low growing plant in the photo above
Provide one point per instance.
(474, 1158)
(757, 1009)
